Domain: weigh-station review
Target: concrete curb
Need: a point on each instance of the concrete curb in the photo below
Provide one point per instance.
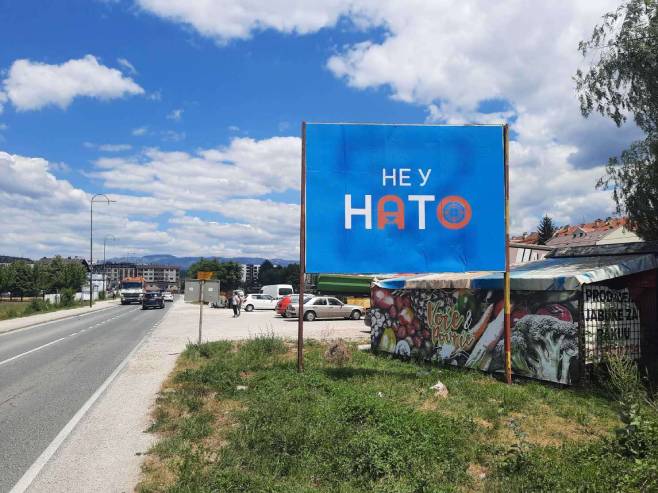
(57, 319)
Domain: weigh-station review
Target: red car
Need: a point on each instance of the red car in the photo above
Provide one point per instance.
(283, 303)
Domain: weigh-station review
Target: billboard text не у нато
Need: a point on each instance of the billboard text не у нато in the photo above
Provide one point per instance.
(404, 198)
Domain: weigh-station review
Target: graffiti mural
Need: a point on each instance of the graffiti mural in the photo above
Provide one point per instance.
(464, 327)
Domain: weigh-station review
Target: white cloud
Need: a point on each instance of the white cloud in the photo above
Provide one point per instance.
(232, 19)
(44, 215)
(205, 180)
(172, 136)
(458, 59)
(175, 115)
(33, 85)
(115, 147)
(127, 65)
(140, 131)
(108, 147)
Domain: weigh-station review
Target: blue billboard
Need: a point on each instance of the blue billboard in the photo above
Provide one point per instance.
(404, 198)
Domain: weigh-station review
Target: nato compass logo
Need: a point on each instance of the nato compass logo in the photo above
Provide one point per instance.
(454, 212)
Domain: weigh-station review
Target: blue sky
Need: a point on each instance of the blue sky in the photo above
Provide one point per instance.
(155, 102)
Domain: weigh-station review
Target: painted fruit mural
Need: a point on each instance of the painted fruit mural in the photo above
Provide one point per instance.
(464, 327)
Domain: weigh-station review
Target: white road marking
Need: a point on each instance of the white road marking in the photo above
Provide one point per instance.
(13, 358)
(26, 480)
(32, 350)
(40, 324)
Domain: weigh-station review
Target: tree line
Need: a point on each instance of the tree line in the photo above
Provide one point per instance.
(54, 275)
(277, 274)
(230, 273)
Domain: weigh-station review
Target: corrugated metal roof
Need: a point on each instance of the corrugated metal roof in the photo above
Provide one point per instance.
(549, 274)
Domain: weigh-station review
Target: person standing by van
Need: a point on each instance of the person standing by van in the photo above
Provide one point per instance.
(235, 303)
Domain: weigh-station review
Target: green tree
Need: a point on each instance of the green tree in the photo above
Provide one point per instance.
(203, 265)
(230, 275)
(40, 278)
(73, 276)
(292, 276)
(624, 80)
(545, 230)
(6, 278)
(271, 274)
(22, 284)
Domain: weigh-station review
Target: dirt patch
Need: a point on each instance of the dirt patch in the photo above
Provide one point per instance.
(478, 474)
(223, 412)
(156, 475)
(544, 428)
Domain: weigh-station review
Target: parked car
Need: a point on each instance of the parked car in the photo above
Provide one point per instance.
(258, 302)
(221, 303)
(326, 307)
(277, 291)
(168, 296)
(152, 299)
(283, 303)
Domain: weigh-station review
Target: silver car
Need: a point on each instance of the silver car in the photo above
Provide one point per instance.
(326, 307)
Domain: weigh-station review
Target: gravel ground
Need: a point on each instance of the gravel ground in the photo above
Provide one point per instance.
(103, 452)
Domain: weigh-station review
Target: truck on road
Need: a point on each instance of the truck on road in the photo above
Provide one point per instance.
(132, 290)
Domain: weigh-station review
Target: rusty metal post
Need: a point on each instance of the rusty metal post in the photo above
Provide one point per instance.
(201, 286)
(302, 257)
(507, 294)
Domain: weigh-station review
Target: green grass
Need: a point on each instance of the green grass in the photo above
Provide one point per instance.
(372, 425)
(15, 309)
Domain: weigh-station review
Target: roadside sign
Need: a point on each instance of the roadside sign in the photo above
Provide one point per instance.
(204, 276)
(404, 198)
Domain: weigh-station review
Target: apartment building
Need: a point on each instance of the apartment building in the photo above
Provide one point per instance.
(250, 274)
(165, 277)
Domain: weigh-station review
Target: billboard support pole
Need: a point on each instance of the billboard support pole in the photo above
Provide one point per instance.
(507, 294)
(302, 258)
(201, 286)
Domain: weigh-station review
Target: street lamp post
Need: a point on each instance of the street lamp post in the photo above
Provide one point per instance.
(101, 196)
(113, 238)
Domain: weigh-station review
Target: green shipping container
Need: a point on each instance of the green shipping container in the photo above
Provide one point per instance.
(344, 284)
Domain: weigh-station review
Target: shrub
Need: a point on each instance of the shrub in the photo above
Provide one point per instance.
(67, 297)
(101, 295)
(38, 305)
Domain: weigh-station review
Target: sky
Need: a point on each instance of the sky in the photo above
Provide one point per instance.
(187, 113)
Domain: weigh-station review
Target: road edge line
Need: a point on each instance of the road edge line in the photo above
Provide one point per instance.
(31, 474)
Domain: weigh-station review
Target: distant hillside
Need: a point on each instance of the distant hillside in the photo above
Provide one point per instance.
(185, 262)
(8, 259)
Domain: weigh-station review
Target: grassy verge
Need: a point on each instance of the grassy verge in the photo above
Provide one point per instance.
(238, 417)
(16, 309)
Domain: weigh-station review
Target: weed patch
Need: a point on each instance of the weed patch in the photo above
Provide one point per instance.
(239, 417)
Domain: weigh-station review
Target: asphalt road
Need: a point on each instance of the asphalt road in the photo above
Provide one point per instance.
(48, 372)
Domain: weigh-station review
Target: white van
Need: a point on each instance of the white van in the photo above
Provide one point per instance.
(277, 291)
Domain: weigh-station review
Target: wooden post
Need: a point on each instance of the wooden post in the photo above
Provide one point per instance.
(302, 257)
(507, 293)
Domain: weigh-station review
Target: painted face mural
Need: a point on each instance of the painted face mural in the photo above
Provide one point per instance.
(465, 327)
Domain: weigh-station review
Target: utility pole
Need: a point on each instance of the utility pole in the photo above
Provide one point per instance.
(102, 196)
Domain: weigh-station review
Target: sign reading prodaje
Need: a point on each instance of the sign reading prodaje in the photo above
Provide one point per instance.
(404, 198)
